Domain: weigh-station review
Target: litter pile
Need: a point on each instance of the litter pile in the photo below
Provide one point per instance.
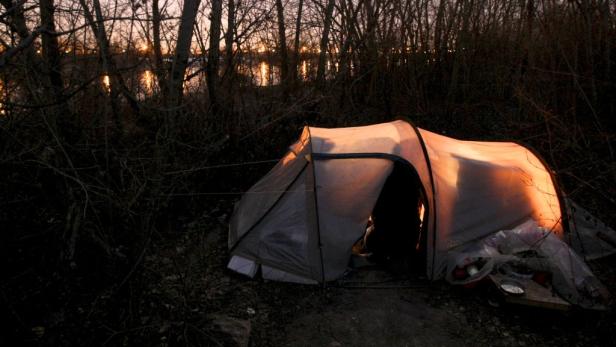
(532, 258)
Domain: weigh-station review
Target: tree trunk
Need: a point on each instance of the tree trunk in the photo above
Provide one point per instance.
(159, 68)
(51, 51)
(229, 37)
(214, 54)
(182, 52)
(116, 82)
(231, 119)
(351, 35)
(530, 16)
(329, 10)
(282, 46)
(26, 38)
(296, 43)
(440, 45)
(98, 27)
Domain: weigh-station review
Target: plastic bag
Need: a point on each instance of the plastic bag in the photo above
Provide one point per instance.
(529, 246)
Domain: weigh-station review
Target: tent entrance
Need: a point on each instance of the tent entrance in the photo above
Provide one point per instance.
(395, 236)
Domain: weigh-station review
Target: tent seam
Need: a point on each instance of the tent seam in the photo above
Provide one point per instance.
(564, 214)
(433, 186)
(316, 206)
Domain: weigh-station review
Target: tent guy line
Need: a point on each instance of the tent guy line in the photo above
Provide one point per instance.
(220, 166)
(236, 193)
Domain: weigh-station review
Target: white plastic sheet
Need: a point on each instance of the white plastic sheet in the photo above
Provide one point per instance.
(538, 249)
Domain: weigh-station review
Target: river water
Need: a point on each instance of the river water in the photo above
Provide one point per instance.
(143, 83)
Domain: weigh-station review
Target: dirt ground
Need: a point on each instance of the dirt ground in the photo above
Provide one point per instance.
(181, 294)
(190, 298)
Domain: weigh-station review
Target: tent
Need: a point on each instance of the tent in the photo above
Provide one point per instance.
(301, 220)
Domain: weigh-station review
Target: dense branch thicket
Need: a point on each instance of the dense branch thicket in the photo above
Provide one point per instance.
(110, 111)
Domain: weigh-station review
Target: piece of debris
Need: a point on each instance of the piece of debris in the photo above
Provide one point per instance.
(235, 332)
(528, 265)
(38, 331)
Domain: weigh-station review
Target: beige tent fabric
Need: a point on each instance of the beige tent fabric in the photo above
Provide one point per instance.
(397, 138)
(264, 194)
(472, 189)
(483, 187)
(347, 190)
(281, 239)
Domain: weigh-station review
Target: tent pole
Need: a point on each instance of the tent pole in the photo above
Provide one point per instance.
(433, 188)
(316, 208)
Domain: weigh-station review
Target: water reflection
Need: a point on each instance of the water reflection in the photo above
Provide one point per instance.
(106, 83)
(147, 81)
(305, 71)
(144, 82)
(261, 73)
(264, 74)
(264, 69)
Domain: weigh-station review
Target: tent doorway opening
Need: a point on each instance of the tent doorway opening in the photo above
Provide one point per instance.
(395, 236)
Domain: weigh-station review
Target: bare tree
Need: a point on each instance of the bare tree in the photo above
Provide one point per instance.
(116, 81)
(324, 44)
(51, 51)
(229, 36)
(182, 52)
(296, 41)
(282, 45)
(159, 68)
(18, 26)
(214, 54)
